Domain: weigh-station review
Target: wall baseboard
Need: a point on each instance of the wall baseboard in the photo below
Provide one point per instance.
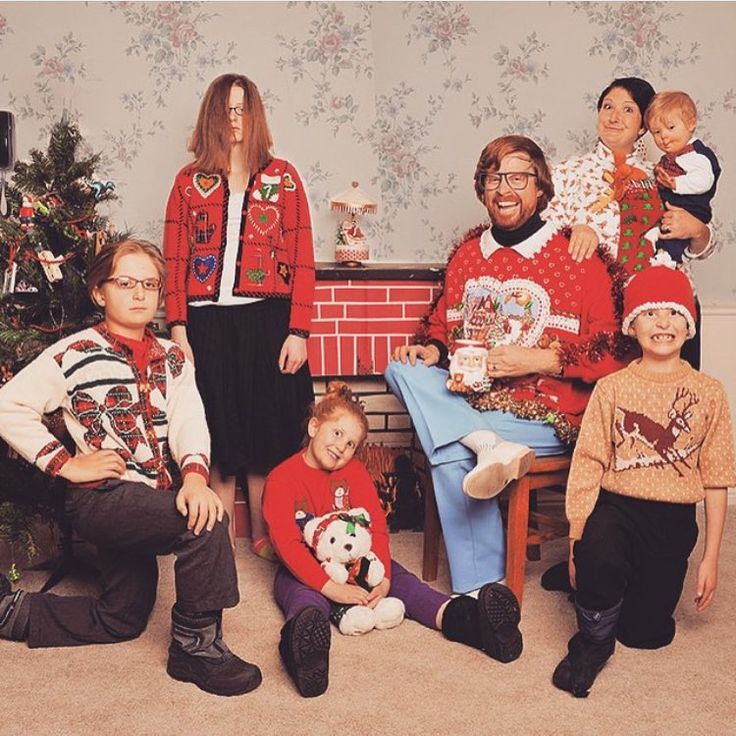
(719, 355)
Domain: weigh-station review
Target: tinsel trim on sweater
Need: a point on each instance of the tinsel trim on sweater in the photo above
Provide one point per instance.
(502, 400)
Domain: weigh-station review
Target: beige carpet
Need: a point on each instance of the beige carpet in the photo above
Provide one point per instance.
(406, 681)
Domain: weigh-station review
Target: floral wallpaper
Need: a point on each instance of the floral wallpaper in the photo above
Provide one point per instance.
(400, 96)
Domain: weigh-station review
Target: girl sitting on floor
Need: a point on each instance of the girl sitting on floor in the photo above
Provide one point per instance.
(326, 477)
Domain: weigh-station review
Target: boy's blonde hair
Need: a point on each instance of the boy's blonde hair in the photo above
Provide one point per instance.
(671, 102)
(105, 261)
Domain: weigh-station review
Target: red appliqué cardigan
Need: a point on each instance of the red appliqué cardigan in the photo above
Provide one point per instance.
(275, 259)
(534, 295)
(108, 404)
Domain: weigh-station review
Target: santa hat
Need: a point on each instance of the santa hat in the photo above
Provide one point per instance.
(659, 287)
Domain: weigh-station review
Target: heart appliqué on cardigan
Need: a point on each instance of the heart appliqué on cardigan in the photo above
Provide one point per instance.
(263, 217)
(504, 312)
(205, 184)
(203, 267)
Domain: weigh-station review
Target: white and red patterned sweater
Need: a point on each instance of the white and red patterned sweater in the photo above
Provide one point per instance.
(108, 404)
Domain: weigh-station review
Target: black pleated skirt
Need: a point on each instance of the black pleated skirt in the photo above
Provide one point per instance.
(256, 415)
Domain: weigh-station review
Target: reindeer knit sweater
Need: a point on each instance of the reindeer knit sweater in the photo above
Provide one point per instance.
(656, 436)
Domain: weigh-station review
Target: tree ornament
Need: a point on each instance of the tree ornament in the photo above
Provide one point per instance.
(5, 373)
(98, 188)
(23, 287)
(26, 212)
(50, 264)
(100, 240)
(9, 278)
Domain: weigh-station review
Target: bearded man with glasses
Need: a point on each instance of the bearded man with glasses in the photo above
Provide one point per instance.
(550, 328)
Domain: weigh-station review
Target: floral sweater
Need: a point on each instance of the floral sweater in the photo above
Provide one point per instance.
(534, 295)
(108, 404)
(296, 492)
(275, 260)
(663, 437)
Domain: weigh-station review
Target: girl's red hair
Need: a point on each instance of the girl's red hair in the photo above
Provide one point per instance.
(212, 137)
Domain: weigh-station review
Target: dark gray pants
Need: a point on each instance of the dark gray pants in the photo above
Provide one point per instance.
(131, 523)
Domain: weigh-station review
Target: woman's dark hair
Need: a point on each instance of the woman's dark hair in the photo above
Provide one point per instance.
(639, 89)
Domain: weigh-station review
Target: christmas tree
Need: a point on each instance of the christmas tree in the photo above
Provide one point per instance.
(50, 233)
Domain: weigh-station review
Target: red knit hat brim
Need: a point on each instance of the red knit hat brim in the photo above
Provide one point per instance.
(659, 287)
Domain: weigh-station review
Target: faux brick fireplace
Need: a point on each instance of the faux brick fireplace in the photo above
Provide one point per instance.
(363, 314)
(360, 316)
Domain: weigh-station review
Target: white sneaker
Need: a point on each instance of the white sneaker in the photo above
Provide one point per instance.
(496, 468)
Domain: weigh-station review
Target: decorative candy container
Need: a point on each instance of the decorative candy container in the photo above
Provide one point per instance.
(469, 367)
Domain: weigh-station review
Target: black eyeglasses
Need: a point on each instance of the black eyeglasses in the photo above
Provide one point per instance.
(128, 283)
(239, 110)
(517, 180)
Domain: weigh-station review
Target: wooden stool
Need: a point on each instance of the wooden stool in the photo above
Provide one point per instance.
(546, 472)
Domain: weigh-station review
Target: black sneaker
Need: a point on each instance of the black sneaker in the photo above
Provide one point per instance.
(499, 616)
(305, 650)
(576, 673)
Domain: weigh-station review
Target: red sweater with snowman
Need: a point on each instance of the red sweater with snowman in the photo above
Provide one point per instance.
(296, 492)
(534, 295)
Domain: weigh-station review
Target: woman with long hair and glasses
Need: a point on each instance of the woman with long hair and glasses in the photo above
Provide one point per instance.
(240, 288)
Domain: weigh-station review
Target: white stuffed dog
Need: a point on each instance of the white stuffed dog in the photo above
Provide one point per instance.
(341, 541)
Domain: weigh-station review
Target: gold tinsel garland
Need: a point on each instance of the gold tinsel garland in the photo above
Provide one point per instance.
(532, 409)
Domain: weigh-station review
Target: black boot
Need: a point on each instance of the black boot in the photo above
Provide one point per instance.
(305, 650)
(14, 612)
(588, 651)
(198, 654)
(490, 623)
(557, 577)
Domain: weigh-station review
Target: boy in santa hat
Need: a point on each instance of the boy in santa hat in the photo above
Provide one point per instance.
(655, 440)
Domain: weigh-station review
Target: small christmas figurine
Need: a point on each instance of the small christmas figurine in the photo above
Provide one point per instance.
(26, 212)
(351, 244)
(469, 367)
(99, 188)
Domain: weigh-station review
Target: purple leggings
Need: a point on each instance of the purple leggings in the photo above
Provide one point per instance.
(421, 601)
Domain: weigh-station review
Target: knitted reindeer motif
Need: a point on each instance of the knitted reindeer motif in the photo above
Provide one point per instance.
(635, 426)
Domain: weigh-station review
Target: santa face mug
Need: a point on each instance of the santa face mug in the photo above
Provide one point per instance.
(469, 367)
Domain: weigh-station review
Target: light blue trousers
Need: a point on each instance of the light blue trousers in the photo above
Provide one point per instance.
(472, 529)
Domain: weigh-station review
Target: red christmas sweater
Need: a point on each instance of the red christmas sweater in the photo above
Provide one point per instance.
(296, 492)
(534, 295)
(275, 258)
